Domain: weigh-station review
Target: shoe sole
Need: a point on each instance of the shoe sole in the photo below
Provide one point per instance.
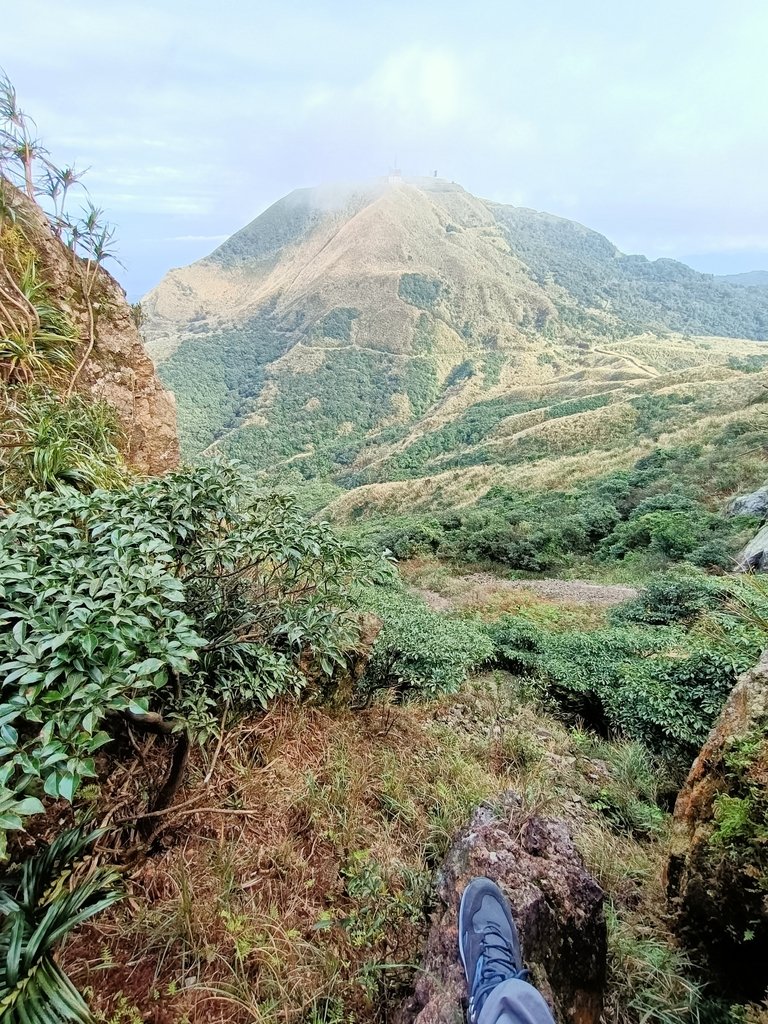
(462, 906)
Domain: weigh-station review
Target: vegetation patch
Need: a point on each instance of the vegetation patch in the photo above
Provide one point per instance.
(419, 290)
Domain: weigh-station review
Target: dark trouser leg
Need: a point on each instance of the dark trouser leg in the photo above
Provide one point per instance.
(515, 1002)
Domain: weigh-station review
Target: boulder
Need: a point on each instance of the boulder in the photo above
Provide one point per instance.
(557, 905)
(754, 557)
(754, 504)
(717, 874)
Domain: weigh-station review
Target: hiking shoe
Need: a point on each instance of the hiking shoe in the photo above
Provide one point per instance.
(488, 942)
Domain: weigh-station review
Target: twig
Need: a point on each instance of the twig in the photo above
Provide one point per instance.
(217, 751)
(190, 810)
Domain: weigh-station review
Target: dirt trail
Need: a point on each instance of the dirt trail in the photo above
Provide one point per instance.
(601, 595)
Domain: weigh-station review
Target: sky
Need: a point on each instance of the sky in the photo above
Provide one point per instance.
(645, 121)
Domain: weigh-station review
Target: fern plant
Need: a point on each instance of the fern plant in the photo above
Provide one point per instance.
(54, 892)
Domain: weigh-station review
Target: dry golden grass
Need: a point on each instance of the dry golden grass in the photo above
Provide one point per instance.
(481, 595)
(300, 891)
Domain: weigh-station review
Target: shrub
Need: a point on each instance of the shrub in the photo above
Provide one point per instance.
(713, 554)
(669, 598)
(338, 323)
(192, 592)
(417, 538)
(672, 534)
(419, 290)
(655, 684)
(420, 652)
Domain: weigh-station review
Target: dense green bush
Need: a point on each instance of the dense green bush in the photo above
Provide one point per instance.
(669, 598)
(338, 323)
(187, 595)
(419, 290)
(671, 534)
(420, 653)
(660, 685)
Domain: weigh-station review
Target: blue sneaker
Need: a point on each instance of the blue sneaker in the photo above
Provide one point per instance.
(488, 943)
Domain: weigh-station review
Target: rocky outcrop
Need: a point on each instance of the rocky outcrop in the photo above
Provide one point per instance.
(717, 875)
(557, 905)
(117, 368)
(754, 504)
(754, 557)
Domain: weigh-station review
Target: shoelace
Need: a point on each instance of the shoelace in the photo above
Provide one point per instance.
(494, 965)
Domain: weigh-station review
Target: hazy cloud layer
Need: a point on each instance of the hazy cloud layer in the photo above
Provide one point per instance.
(647, 122)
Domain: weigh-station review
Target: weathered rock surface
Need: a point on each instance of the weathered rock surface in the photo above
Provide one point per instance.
(755, 555)
(717, 889)
(557, 905)
(754, 504)
(118, 369)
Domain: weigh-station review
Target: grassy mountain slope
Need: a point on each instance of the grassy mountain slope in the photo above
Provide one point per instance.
(409, 343)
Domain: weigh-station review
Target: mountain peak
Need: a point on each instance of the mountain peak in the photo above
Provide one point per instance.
(370, 331)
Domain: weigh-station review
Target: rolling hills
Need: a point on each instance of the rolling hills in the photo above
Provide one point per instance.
(405, 344)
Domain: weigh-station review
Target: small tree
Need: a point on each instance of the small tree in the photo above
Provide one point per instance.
(194, 597)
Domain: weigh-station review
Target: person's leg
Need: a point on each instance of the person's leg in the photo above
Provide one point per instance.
(499, 992)
(515, 1002)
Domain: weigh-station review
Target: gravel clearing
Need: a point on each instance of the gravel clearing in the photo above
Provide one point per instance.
(597, 595)
(570, 591)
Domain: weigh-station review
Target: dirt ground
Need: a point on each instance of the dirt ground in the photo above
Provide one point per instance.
(581, 592)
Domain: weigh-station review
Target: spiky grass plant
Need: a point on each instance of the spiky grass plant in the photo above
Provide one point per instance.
(53, 442)
(36, 337)
(54, 892)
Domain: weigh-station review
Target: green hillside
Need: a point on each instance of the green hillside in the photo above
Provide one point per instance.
(411, 343)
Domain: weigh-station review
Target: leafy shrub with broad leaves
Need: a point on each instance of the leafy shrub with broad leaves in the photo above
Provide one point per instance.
(190, 594)
(420, 653)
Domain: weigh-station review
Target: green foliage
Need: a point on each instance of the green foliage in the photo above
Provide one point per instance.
(54, 891)
(419, 290)
(653, 978)
(338, 323)
(55, 443)
(193, 592)
(461, 372)
(658, 511)
(420, 383)
(659, 685)
(628, 798)
(420, 653)
(748, 364)
(37, 337)
(670, 534)
(468, 429)
(641, 293)
(215, 378)
(741, 810)
(669, 598)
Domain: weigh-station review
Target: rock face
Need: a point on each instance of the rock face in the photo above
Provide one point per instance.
(557, 906)
(754, 504)
(754, 556)
(717, 875)
(117, 369)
